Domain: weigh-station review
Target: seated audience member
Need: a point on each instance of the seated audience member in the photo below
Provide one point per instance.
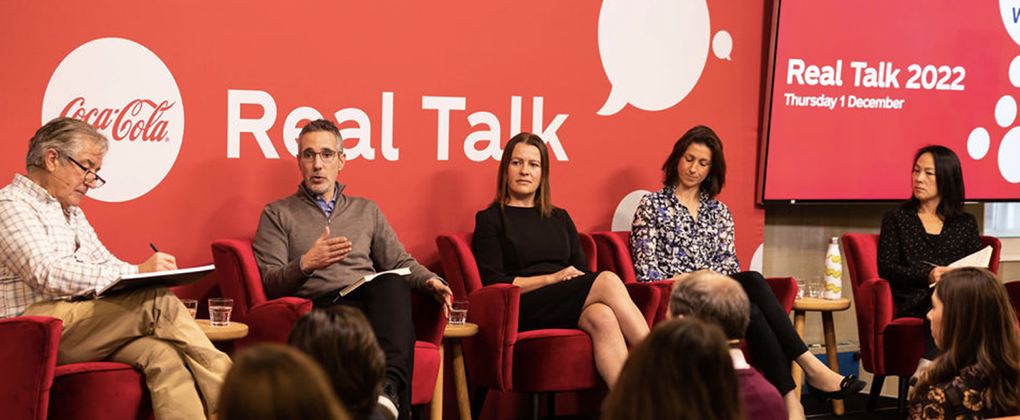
(977, 374)
(317, 241)
(683, 228)
(682, 371)
(52, 264)
(276, 382)
(523, 240)
(341, 340)
(719, 300)
(926, 234)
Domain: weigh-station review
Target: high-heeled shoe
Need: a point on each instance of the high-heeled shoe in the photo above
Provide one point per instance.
(850, 385)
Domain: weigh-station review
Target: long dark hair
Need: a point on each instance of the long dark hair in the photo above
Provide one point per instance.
(713, 183)
(948, 177)
(978, 327)
(543, 196)
(341, 340)
(681, 371)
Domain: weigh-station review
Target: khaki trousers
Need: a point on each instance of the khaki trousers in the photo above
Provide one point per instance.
(151, 330)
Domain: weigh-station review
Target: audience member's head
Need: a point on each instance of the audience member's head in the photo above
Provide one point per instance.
(277, 382)
(973, 323)
(713, 298)
(341, 340)
(681, 371)
(703, 136)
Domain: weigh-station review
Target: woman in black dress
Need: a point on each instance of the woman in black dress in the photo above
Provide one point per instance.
(521, 239)
(927, 233)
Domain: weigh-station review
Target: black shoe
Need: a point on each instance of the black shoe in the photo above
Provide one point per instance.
(849, 386)
(389, 401)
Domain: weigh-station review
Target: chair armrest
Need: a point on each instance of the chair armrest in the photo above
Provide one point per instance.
(489, 354)
(665, 288)
(28, 357)
(429, 322)
(272, 320)
(875, 310)
(646, 298)
(785, 290)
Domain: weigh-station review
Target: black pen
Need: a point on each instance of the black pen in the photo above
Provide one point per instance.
(153, 247)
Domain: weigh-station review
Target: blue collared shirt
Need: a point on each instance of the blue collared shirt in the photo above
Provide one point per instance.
(327, 207)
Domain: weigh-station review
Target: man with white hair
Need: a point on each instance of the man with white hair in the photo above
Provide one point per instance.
(52, 263)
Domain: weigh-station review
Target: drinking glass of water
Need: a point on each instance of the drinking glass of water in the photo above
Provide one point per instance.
(458, 313)
(192, 306)
(219, 311)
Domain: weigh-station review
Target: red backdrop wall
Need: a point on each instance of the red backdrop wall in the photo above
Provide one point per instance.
(336, 55)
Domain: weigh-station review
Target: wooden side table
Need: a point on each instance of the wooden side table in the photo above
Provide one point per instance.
(234, 331)
(453, 334)
(826, 307)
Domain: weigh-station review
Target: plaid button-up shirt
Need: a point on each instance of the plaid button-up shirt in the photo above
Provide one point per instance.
(45, 256)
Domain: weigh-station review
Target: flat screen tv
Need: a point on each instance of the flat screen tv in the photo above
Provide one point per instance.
(855, 87)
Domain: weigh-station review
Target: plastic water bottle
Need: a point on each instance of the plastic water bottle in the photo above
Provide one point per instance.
(833, 271)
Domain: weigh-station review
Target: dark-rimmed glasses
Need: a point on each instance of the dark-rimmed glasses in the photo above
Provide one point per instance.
(327, 155)
(90, 176)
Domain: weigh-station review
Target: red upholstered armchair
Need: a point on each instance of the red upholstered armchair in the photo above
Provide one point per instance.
(500, 357)
(888, 346)
(271, 320)
(613, 250)
(34, 388)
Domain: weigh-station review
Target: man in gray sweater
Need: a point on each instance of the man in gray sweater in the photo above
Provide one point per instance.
(317, 241)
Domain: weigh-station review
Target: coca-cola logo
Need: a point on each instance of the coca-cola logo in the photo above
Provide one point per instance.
(126, 92)
(129, 122)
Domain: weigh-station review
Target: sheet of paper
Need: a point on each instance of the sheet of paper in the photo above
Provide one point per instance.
(977, 259)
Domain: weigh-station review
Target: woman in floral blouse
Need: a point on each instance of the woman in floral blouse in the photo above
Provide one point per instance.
(682, 228)
(978, 373)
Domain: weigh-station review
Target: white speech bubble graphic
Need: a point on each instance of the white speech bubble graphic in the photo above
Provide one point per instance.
(624, 215)
(758, 259)
(653, 51)
(1010, 10)
(722, 45)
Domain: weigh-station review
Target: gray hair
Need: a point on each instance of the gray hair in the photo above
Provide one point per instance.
(322, 124)
(713, 298)
(63, 135)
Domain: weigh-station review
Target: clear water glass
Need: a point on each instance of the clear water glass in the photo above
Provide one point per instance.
(458, 312)
(219, 311)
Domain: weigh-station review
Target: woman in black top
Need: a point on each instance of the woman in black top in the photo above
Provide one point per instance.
(930, 231)
(523, 240)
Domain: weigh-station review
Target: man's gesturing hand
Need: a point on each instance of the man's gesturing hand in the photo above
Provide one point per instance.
(325, 251)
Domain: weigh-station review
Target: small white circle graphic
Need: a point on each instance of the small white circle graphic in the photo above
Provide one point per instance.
(978, 142)
(1005, 111)
(1009, 149)
(127, 92)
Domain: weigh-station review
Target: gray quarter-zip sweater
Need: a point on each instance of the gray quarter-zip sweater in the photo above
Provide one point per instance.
(289, 226)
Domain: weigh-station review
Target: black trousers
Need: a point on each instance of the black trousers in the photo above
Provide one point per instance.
(386, 302)
(915, 302)
(771, 338)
